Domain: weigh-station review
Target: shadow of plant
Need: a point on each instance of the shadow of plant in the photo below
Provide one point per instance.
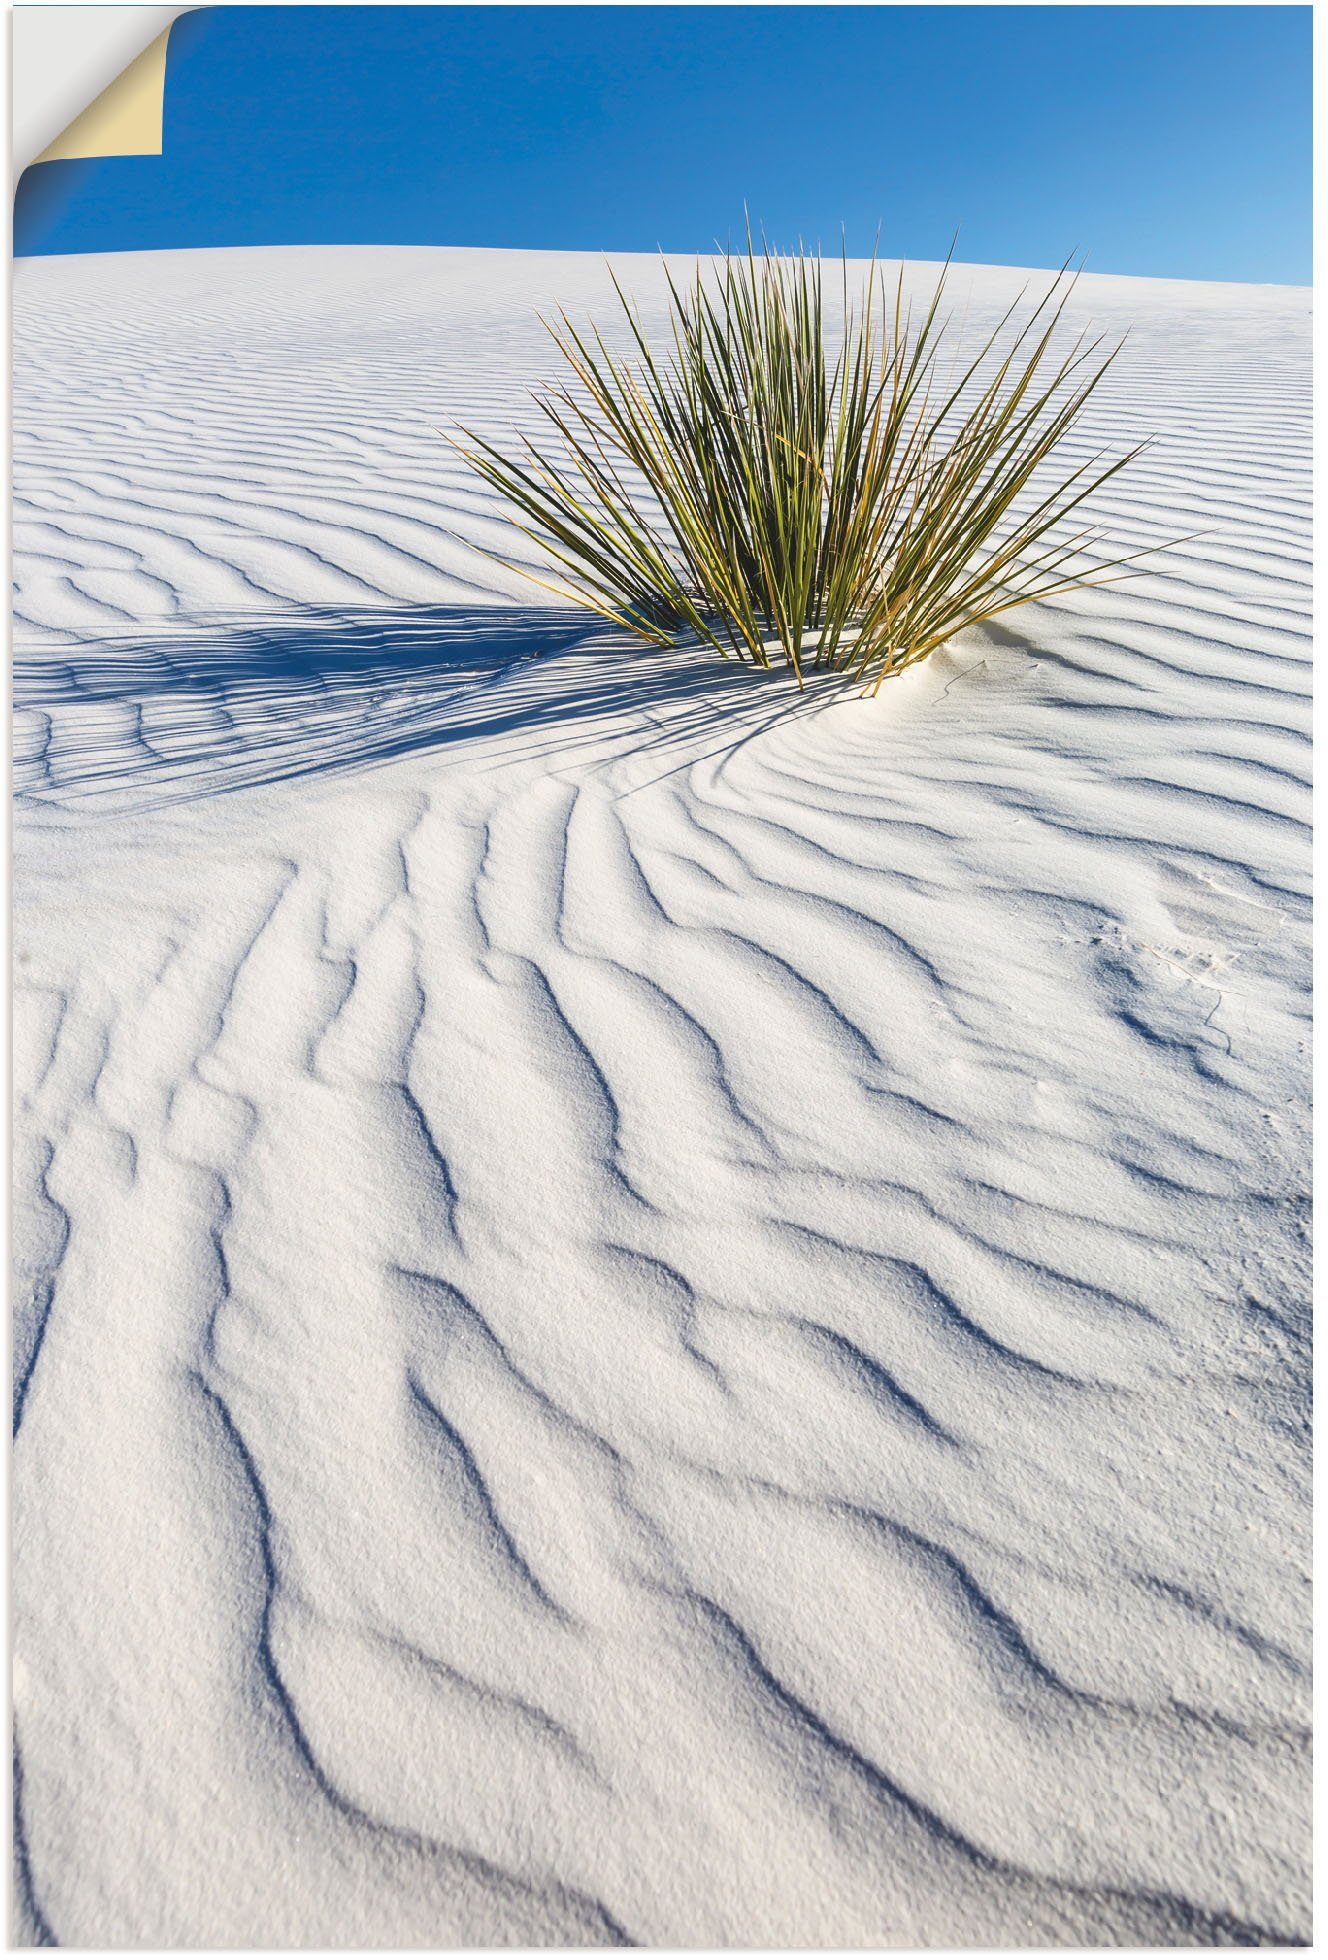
(215, 705)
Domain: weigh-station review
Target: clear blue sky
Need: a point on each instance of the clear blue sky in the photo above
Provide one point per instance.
(1165, 140)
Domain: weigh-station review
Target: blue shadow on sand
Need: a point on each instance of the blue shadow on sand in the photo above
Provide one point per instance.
(191, 709)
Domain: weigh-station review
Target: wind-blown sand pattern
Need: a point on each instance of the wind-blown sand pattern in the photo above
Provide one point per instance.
(642, 1317)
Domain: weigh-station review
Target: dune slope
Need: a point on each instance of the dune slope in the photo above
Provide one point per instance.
(645, 1312)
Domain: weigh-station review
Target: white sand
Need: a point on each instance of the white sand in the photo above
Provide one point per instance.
(642, 1316)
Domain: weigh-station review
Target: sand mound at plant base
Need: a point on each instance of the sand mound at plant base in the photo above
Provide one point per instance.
(641, 1317)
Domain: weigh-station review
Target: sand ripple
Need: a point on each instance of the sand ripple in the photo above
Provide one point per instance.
(642, 1318)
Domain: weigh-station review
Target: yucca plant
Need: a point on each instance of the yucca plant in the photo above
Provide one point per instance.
(847, 510)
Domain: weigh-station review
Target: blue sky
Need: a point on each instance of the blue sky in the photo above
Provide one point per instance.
(1163, 140)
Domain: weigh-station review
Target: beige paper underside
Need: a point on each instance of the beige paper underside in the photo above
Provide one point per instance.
(125, 120)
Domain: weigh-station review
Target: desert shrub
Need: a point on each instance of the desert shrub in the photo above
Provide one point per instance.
(847, 507)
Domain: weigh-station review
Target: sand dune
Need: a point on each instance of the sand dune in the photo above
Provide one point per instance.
(645, 1313)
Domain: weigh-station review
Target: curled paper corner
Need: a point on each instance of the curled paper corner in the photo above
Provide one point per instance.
(89, 81)
(125, 119)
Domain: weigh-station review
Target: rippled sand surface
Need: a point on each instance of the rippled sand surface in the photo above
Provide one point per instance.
(643, 1314)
